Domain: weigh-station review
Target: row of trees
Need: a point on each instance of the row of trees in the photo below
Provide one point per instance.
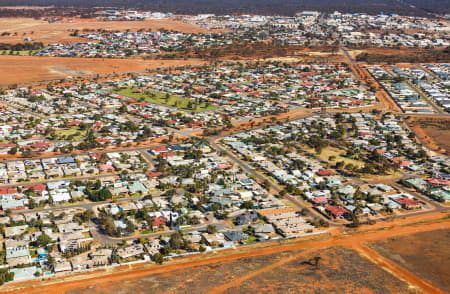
(21, 46)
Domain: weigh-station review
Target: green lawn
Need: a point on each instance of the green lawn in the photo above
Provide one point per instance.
(160, 98)
(136, 195)
(250, 240)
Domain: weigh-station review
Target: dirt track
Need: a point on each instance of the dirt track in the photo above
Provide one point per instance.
(351, 240)
(385, 101)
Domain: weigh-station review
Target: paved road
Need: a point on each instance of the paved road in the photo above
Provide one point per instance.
(349, 57)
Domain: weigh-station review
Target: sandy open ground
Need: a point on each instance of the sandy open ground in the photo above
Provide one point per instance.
(434, 132)
(425, 254)
(25, 69)
(59, 32)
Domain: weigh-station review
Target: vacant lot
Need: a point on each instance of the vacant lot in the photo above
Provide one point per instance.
(42, 31)
(26, 69)
(435, 132)
(392, 55)
(70, 134)
(425, 254)
(339, 270)
(332, 155)
(166, 100)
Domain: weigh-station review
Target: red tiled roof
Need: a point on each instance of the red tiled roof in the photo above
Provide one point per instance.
(438, 181)
(4, 145)
(102, 140)
(324, 172)
(96, 156)
(364, 134)
(36, 187)
(405, 163)
(223, 166)
(105, 167)
(159, 149)
(154, 174)
(319, 199)
(39, 145)
(406, 201)
(160, 220)
(337, 210)
(74, 123)
(4, 191)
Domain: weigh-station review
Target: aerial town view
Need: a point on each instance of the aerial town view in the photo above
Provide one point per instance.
(270, 146)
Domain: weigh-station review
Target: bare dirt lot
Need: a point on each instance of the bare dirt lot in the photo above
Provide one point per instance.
(435, 132)
(339, 270)
(425, 254)
(400, 55)
(59, 32)
(25, 69)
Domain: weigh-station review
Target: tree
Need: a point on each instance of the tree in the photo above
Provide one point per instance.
(340, 164)
(13, 150)
(247, 204)
(114, 257)
(43, 240)
(355, 221)
(51, 262)
(316, 260)
(266, 184)
(5, 276)
(159, 258)
(211, 229)
(176, 240)
(31, 203)
(131, 227)
(304, 211)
